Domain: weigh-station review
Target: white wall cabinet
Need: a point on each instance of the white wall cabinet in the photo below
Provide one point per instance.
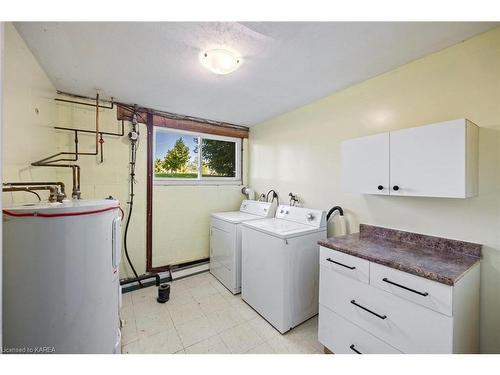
(437, 160)
(365, 164)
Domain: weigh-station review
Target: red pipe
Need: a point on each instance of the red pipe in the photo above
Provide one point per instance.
(36, 214)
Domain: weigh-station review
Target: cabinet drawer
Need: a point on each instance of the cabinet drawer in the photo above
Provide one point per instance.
(404, 325)
(343, 337)
(428, 293)
(347, 265)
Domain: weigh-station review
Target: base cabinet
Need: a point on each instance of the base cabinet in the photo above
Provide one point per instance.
(343, 337)
(364, 315)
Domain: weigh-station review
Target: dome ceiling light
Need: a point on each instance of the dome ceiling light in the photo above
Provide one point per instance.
(220, 61)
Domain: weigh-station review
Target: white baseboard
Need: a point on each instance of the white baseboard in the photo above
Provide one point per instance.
(188, 271)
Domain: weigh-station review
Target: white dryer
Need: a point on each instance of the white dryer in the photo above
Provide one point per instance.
(280, 268)
(225, 241)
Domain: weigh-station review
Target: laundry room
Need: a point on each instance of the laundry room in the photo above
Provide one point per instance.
(201, 186)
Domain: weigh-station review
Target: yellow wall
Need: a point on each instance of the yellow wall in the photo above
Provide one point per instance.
(300, 152)
(180, 213)
(27, 135)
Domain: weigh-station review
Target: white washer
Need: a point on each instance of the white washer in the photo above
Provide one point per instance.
(225, 241)
(280, 268)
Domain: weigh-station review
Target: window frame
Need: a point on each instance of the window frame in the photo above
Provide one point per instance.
(200, 180)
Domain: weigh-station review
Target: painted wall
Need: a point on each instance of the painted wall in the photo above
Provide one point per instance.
(300, 152)
(180, 213)
(28, 118)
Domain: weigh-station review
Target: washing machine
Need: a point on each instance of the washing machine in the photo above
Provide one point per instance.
(280, 267)
(225, 241)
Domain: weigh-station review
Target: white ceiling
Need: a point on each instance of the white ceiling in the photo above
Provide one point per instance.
(285, 64)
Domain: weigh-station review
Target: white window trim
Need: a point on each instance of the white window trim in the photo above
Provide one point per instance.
(237, 180)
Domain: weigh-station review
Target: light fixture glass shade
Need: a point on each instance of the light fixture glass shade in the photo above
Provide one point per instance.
(220, 61)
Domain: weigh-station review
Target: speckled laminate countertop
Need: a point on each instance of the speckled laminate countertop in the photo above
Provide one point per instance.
(439, 259)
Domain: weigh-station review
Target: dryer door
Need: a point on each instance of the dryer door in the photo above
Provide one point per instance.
(222, 251)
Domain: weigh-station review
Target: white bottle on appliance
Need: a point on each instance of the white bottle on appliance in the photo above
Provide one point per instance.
(61, 279)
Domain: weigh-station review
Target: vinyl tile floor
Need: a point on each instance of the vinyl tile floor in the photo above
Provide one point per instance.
(203, 317)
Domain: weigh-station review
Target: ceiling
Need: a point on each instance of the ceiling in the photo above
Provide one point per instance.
(285, 64)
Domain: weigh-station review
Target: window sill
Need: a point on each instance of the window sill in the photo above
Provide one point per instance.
(164, 182)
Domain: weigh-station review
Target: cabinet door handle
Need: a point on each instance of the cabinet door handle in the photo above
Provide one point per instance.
(425, 294)
(395, 187)
(368, 310)
(354, 349)
(340, 264)
(380, 187)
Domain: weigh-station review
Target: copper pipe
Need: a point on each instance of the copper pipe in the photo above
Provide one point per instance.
(23, 189)
(50, 161)
(61, 185)
(53, 196)
(122, 132)
(76, 193)
(84, 98)
(97, 124)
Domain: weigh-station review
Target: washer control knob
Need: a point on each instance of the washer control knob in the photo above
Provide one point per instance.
(310, 216)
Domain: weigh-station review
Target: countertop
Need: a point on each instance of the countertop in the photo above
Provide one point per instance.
(435, 258)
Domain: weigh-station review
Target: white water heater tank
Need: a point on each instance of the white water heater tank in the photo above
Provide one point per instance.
(60, 277)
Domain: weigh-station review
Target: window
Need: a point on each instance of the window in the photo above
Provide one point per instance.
(182, 157)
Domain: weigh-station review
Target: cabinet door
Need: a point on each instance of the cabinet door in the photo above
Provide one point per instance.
(429, 161)
(365, 165)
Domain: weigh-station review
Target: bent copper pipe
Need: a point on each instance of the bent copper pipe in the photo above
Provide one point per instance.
(76, 193)
(53, 196)
(112, 102)
(22, 189)
(62, 186)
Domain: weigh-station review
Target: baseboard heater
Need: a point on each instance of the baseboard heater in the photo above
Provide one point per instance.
(182, 270)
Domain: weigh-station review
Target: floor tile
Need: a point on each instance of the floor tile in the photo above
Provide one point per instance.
(283, 344)
(126, 300)
(166, 342)
(185, 313)
(195, 331)
(224, 319)
(150, 308)
(201, 291)
(179, 297)
(129, 331)
(241, 338)
(263, 348)
(127, 313)
(202, 316)
(263, 328)
(246, 311)
(212, 345)
(148, 325)
(132, 348)
(212, 303)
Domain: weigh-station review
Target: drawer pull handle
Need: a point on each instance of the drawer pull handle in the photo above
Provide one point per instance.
(425, 294)
(340, 264)
(368, 310)
(354, 349)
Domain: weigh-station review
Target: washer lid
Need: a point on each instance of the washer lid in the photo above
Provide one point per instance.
(235, 216)
(77, 205)
(282, 228)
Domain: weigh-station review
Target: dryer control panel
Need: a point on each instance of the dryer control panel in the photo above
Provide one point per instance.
(309, 216)
(264, 209)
